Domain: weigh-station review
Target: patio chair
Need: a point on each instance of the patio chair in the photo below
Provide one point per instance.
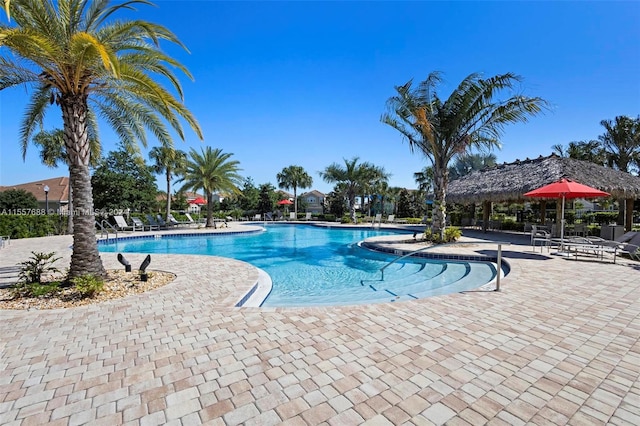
(140, 224)
(632, 250)
(377, 218)
(292, 216)
(540, 236)
(176, 222)
(122, 225)
(257, 217)
(190, 219)
(307, 216)
(391, 218)
(580, 229)
(162, 222)
(153, 222)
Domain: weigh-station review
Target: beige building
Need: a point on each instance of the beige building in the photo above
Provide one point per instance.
(314, 201)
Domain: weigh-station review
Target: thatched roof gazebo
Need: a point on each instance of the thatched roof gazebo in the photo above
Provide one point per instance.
(509, 181)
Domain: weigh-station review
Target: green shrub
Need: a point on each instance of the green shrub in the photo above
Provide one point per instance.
(32, 270)
(29, 226)
(414, 220)
(451, 234)
(88, 285)
(24, 289)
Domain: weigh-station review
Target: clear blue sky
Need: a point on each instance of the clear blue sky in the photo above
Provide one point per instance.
(305, 83)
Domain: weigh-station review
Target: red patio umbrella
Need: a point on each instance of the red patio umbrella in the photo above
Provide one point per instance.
(200, 201)
(566, 189)
(285, 202)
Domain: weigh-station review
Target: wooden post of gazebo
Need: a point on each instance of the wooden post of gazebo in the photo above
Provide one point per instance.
(628, 223)
(486, 213)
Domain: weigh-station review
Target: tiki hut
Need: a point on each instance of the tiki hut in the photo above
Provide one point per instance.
(509, 181)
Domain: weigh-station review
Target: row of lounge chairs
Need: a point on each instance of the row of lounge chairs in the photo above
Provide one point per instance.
(152, 224)
(628, 243)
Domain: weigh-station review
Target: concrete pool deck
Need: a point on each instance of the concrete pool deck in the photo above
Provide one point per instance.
(560, 344)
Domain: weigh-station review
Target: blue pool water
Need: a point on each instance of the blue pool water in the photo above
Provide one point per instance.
(312, 266)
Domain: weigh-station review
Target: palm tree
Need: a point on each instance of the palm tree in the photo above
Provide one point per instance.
(294, 177)
(52, 154)
(169, 161)
(469, 118)
(73, 55)
(351, 178)
(212, 170)
(468, 163)
(591, 151)
(621, 142)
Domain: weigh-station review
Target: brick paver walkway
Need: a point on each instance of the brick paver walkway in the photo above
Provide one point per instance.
(559, 345)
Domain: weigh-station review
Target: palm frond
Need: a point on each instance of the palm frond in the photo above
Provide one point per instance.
(34, 116)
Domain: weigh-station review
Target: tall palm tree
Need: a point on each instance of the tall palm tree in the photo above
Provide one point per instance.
(52, 154)
(294, 177)
(442, 129)
(621, 142)
(591, 151)
(351, 177)
(72, 53)
(212, 170)
(468, 163)
(621, 145)
(169, 161)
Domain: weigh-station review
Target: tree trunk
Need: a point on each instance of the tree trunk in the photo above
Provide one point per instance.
(210, 222)
(352, 208)
(439, 217)
(85, 258)
(295, 201)
(70, 209)
(168, 196)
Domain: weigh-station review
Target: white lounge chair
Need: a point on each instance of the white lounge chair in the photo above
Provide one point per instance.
(292, 216)
(540, 236)
(307, 216)
(391, 218)
(122, 225)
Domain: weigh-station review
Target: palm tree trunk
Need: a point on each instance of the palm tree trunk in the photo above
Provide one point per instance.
(295, 200)
(168, 196)
(210, 222)
(70, 209)
(439, 203)
(85, 258)
(352, 208)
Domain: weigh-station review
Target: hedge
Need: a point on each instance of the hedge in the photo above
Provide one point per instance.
(29, 226)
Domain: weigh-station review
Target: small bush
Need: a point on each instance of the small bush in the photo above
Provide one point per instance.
(414, 220)
(451, 234)
(32, 270)
(88, 285)
(24, 289)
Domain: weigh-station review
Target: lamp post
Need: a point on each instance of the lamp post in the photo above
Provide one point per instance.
(46, 198)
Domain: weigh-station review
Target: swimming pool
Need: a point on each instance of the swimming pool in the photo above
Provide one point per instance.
(311, 265)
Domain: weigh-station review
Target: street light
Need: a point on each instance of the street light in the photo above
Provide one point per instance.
(46, 198)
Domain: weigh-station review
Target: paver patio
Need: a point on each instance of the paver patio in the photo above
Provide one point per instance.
(560, 344)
